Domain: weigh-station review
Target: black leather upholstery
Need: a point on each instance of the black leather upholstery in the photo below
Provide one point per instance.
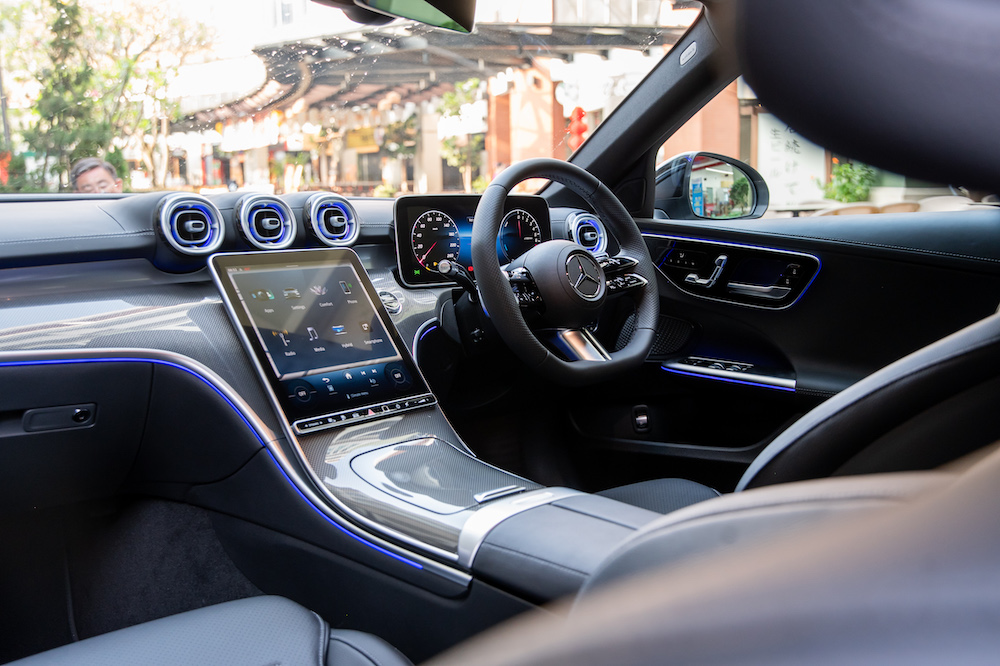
(735, 521)
(259, 630)
(822, 441)
(661, 495)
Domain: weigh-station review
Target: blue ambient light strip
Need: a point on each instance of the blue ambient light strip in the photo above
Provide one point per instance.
(126, 359)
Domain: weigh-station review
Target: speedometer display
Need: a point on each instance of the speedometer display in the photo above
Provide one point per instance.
(519, 232)
(432, 228)
(434, 237)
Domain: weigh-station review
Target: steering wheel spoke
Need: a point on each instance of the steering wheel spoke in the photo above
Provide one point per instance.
(575, 344)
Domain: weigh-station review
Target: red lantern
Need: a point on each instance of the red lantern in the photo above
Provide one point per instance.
(577, 128)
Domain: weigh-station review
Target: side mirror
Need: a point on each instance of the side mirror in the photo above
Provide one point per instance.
(694, 186)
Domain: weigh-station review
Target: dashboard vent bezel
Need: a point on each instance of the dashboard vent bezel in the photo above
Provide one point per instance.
(248, 206)
(317, 205)
(169, 212)
(578, 222)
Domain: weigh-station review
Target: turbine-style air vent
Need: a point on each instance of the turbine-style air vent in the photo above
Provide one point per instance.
(190, 224)
(332, 219)
(266, 222)
(587, 231)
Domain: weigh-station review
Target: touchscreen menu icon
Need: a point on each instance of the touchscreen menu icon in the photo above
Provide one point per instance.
(291, 293)
(345, 286)
(318, 289)
(262, 295)
(338, 329)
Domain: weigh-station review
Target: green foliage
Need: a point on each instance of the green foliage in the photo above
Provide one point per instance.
(102, 70)
(18, 178)
(850, 183)
(480, 184)
(69, 122)
(739, 194)
(465, 92)
(401, 138)
(464, 151)
(384, 190)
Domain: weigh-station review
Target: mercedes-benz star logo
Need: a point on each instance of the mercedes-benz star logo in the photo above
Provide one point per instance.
(584, 276)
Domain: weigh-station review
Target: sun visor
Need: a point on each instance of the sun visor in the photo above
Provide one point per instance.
(911, 86)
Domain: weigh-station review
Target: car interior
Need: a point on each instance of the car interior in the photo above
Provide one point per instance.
(297, 428)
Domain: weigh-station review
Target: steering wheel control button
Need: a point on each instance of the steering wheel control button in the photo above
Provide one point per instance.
(617, 285)
(616, 264)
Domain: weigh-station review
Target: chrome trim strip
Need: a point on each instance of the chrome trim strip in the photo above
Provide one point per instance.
(579, 345)
(482, 522)
(768, 380)
(496, 493)
(745, 246)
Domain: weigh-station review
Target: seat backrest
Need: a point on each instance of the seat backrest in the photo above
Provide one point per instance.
(734, 521)
(926, 409)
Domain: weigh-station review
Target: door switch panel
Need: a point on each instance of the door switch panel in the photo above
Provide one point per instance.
(746, 275)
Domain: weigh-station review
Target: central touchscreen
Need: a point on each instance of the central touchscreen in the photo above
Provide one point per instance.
(311, 320)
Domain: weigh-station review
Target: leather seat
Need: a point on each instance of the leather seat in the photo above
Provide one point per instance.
(259, 630)
(926, 409)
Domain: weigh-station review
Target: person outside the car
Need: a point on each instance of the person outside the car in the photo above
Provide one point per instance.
(92, 175)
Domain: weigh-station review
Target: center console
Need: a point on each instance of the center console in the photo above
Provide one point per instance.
(368, 434)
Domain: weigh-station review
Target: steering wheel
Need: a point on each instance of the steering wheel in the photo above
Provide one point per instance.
(560, 287)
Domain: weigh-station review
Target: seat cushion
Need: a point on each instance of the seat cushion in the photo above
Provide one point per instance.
(661, 495)
(260, 630)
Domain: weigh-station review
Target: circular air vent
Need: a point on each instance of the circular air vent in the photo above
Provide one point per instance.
(587, 231)
(266, 222)
(332, 219)
(190, 224)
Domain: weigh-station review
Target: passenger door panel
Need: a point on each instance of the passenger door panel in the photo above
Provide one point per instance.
(874, 298)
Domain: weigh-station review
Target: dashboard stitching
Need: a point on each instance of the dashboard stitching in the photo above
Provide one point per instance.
(63, 238)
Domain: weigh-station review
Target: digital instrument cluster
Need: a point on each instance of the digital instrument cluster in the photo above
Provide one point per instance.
(430, 229)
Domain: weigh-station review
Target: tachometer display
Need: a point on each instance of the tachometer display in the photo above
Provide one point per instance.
(434, 237)
(519, 232)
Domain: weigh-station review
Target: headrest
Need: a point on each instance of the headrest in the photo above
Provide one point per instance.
(911, 86)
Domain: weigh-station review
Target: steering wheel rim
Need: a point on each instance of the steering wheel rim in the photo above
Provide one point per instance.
(501, 304)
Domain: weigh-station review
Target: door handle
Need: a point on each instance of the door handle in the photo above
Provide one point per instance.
(771, 292)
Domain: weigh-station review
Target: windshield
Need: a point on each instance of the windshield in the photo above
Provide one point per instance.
(282, 96)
